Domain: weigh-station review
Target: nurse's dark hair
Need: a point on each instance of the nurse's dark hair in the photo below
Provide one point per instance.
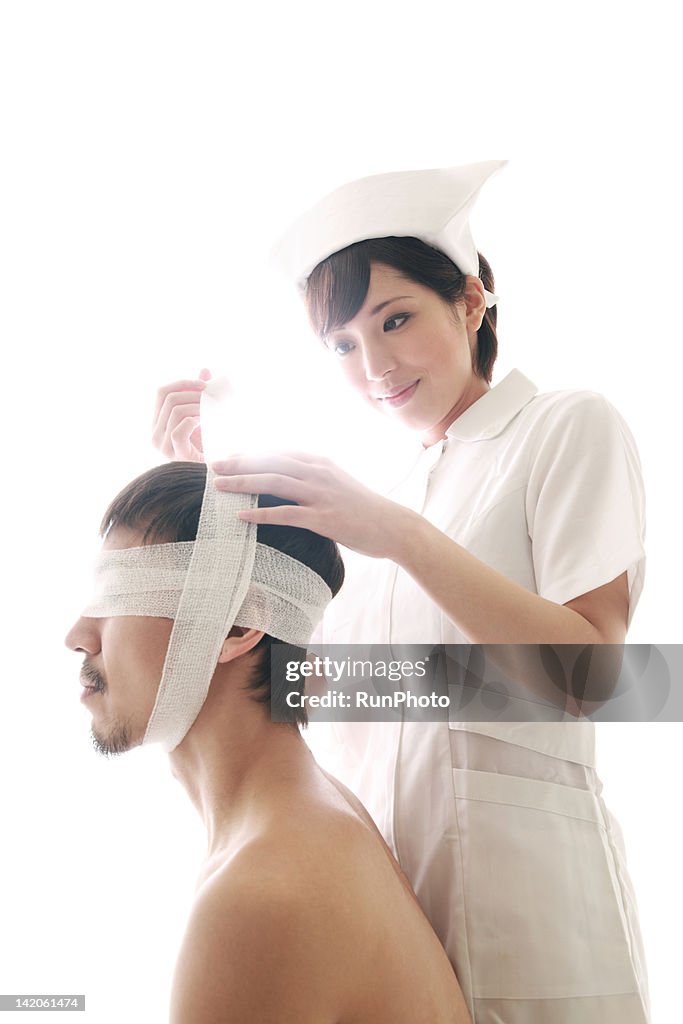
(337, 287)
(164, 505)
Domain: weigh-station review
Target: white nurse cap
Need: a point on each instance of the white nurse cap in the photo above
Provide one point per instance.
(433, 206)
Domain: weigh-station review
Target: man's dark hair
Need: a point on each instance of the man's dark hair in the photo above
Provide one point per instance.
(164, 504)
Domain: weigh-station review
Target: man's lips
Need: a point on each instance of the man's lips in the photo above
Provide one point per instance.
(88, 687)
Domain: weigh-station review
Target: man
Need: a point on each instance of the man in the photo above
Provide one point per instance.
(301, 912)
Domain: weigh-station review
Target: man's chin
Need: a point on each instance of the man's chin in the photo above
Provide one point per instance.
(115, 741)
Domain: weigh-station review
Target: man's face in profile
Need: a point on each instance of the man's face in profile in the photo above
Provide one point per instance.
(122, 667)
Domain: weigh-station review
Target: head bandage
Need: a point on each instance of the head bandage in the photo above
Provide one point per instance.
(221, 579)
(433, 206)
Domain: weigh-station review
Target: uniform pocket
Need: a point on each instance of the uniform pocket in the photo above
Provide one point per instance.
(568, 741)
(543, 908)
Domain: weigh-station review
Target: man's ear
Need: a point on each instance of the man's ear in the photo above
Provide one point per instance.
(238, 642)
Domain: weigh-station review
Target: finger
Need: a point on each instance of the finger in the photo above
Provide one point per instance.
(187, 397)
(237, 465)
(281, 515)
(160, 426)
(169, 418)
(265, 483)
(196, 440)
(173, 443)
(178, 385)
(161, 435)
(181, 444)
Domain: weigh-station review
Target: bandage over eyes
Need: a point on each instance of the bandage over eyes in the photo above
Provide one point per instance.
(222, 579)
(432, 205)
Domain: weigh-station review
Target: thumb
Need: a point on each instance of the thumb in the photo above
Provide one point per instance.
(205, 374)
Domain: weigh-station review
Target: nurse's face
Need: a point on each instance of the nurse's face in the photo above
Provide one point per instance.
(409, 353)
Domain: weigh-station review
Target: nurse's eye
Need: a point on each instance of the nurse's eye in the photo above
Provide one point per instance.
(396, 321)
(340, 348)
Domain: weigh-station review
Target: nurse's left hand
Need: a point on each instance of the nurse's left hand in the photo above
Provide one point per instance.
(329, 501)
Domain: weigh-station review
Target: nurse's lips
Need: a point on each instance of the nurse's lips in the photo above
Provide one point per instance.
(400, 395)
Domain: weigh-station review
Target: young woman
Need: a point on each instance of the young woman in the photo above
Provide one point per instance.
(520, 521)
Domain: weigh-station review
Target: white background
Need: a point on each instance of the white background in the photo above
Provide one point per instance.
(151, 153)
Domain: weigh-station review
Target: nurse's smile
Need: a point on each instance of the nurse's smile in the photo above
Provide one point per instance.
(399, 396)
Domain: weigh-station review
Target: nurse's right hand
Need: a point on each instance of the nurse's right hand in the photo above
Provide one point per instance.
(175, 431)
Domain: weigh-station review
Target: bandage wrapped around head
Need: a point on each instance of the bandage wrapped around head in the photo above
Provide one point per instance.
(223, 578)
(432, 205)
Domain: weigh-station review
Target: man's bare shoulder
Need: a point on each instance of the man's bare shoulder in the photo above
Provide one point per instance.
(320, 846)
(264, 941)
(308, 922)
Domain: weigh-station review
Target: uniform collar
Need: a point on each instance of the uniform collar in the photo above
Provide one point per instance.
(490, 414)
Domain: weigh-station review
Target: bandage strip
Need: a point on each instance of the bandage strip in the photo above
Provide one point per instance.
(221, 579)
(216, 584)
(285, 598)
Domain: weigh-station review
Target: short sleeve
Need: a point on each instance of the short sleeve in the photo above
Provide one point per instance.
(585, 502)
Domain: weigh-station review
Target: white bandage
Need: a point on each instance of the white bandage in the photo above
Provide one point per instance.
(221, 579)
(285, 598)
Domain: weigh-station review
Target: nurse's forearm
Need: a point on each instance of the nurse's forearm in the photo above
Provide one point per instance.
(486, 606)
(490, 609)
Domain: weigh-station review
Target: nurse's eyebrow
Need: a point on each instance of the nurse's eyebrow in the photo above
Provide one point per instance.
(378, 309)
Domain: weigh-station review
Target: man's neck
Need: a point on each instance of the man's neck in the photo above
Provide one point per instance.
(237, 770)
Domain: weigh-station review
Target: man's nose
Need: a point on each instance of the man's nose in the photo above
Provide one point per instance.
(83, 636)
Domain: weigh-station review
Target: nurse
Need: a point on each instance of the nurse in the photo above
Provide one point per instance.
(519, 520)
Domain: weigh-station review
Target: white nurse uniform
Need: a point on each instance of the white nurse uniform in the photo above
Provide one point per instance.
(501, 827)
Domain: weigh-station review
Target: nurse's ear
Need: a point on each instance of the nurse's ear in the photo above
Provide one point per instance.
(474, 303)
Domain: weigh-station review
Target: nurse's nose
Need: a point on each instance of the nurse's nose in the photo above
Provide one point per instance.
(378, 360)
(84, 636)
